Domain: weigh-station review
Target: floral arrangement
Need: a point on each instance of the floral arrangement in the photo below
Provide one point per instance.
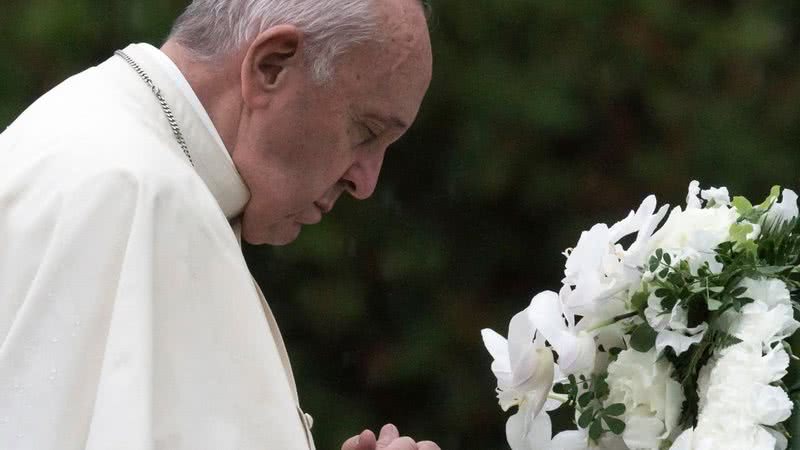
(676, 339)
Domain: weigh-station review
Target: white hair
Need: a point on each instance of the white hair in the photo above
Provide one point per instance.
(211, 29)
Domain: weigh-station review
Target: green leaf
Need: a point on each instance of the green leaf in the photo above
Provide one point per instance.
(662, 292)
(774, 193)
(586, 418)
(643, 338)
(713, 305)
(617, 409)
(738, 291)
(653, 264)
(742, 205)
(616, 426)
(667, 258)
(585, 398)
(595, 430)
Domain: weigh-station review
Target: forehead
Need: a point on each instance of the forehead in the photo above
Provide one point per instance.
(395, 68)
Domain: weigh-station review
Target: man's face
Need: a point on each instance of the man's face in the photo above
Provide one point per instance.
(314, 142)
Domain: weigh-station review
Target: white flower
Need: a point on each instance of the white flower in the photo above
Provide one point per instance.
(716, 196)
(737, 398)
(523, 366)
(769, 318)
(652, 399)
(672, 327)
(785, 210)
(528, 430)
(692, 200)
(599, 269)
(739, 401)
(579, 440)
(693, 234)
(576, 349)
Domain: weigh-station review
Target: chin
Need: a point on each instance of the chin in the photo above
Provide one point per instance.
(279, 235)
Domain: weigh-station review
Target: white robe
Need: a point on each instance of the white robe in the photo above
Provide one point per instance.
(128, 317)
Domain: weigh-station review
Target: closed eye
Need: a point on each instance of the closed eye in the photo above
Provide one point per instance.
(369, 135)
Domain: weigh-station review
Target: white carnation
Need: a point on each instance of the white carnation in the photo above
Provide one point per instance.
(739, 401)
(769, 318)
(643, 383)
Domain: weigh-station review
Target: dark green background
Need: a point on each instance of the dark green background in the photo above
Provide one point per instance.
(544, 117)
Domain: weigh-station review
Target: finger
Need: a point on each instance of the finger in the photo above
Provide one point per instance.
(427, 445)
(403, 443)
(351, 444)
(364, 441)
(388, 434)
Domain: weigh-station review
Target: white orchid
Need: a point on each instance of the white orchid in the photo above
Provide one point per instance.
(525, 367)
(575, 348)
(785, 210)
(525, 370)
(599, 268)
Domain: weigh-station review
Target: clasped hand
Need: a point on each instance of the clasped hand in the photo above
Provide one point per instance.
(389, 439)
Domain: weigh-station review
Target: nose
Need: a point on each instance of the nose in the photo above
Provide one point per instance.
(362, 177)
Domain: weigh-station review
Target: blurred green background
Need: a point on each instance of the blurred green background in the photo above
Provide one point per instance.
(544, 117)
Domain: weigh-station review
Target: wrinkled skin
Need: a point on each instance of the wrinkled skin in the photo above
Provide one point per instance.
(298, 144)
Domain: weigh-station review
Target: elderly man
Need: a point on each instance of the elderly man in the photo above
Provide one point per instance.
(128, 318)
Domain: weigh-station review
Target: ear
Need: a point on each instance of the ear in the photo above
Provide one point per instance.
(269, 59)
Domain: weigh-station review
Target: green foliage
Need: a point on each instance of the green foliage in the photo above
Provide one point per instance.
(587, 396)
(643, 338)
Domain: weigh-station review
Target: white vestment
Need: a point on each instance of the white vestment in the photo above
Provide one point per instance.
(128, 317)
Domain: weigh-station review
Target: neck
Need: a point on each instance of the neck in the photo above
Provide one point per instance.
(218, 86)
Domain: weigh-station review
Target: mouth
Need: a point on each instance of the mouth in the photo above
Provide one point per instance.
(324, 208)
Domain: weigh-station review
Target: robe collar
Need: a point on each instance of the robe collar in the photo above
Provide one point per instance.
(212, 161)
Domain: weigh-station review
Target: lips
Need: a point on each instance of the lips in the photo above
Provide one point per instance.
(324, 208)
